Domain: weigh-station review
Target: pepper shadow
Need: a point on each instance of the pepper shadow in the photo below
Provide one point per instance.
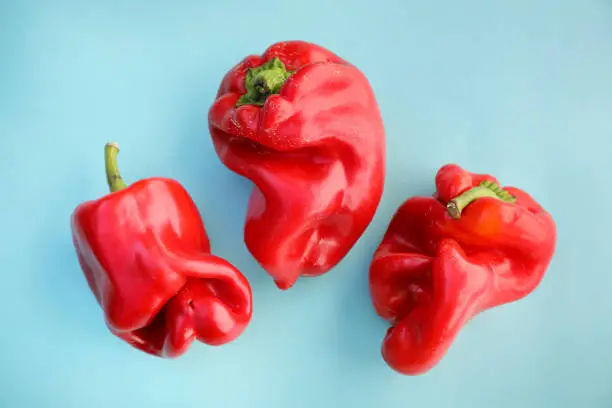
(69, 305)
(221, 195)
(360, 330)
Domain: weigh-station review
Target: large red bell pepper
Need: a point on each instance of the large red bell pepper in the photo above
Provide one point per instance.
(304, 126)
(446, 258)
(146, 256)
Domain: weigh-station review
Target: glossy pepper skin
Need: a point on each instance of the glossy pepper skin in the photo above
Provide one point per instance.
(304, 126)
(146, 257)
(446, 258)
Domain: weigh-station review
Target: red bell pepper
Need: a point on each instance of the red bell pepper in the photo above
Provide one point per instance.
(446, 258)
(304, 126)
(146, 257)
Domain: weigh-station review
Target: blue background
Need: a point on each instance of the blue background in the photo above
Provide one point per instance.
(521, 89)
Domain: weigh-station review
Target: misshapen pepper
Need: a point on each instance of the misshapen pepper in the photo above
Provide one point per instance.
(446, 258)
(304, 126)
(146, 257)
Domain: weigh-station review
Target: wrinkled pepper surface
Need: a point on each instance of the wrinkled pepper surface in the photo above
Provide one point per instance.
(444, 259)
(304, 126)
(146, 257)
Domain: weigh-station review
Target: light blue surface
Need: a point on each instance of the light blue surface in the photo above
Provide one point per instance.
(521, 90)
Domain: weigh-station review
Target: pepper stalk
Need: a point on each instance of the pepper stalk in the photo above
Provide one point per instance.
(113, 177)
(264, 81)
(487, 188)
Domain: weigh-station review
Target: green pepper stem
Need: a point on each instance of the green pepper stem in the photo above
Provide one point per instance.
(113, 177)
(263, 81)
(487, 188)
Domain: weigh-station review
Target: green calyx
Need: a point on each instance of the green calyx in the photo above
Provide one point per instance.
(487, 188)
(263, 81)
(113, 177)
